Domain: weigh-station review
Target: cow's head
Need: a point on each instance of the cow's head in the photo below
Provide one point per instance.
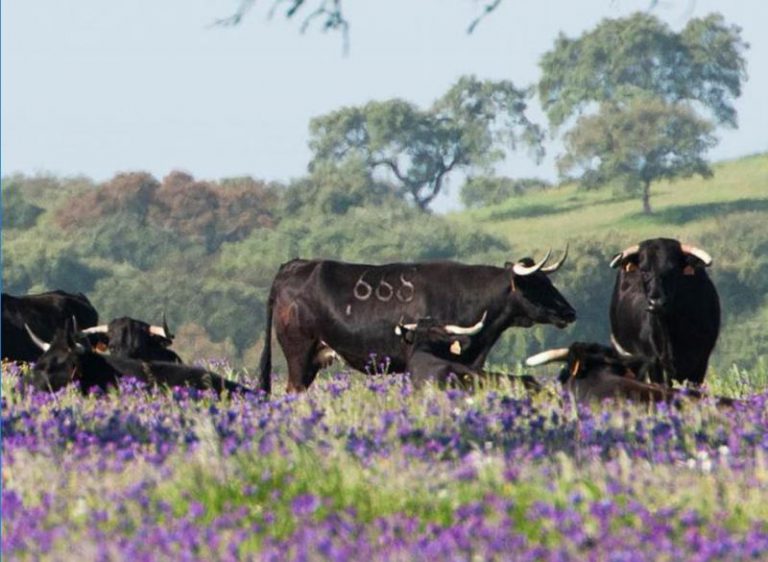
(582, 360)
(129, 338)
(59, 365)
(662, 266)
(539, 302)
(446, 341)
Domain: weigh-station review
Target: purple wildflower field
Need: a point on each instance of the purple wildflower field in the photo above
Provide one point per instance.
(366, 468)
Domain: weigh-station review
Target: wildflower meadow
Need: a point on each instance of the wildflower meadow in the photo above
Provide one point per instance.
(367, 468)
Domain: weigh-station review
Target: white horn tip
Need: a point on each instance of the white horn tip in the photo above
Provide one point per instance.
(158, 331)
(547, 357)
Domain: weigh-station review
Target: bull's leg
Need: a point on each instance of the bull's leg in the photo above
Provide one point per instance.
(419, 379)
(459, 376)
(302, 368)
(692, 370)
(299, 350)
(299, 345)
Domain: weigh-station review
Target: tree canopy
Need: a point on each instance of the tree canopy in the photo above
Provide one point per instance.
(645, 99)
(703, 63)
(645, 140)
(471, 127)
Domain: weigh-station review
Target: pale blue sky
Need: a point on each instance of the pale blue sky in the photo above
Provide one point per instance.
(95, 87)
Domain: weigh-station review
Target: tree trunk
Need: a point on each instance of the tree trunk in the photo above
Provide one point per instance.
(647, 198)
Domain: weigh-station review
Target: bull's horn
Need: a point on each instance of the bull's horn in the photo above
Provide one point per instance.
(698, 252)
(560, 354)
(625, 254)
(158, 331)
(466, 331)
(617, 346)
(38, 342)
(399, 327)
(521, 269)
(165, 327)
(96, 330)
(555, 266)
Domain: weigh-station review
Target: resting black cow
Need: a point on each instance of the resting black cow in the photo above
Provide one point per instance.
(66, 360)
(133, 339)
(665, 309)
(352, 309)
(44, 313)
(433, 351)
(596, 372)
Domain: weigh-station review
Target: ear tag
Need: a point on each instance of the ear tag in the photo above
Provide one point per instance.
(629, 267)
(689, 270)
(456, 348)
(576, 367)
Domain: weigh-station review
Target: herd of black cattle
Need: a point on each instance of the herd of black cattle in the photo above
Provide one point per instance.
(435, 320)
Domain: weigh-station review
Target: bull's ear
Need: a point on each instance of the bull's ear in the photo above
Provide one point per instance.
(628, 263)
(98, 342)
(459, 344)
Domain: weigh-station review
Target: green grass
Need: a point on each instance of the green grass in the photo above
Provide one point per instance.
(682, 209)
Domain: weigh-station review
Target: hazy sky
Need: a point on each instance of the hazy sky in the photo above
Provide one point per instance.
(96, 87)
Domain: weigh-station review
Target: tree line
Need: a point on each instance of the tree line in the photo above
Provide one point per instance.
(210, 272)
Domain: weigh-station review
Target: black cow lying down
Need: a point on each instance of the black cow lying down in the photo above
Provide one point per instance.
(596, 372)
(44, 313)
(436, 351)
(66, 360)
(129, 338)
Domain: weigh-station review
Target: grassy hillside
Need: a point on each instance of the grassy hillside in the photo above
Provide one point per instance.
(684, 209)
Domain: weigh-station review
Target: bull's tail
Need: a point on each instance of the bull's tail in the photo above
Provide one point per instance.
(265, 364)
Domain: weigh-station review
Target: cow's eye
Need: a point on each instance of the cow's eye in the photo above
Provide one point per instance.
(689, 270)
(629, 267)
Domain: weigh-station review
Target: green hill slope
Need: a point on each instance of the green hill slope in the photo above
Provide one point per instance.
(683, 209)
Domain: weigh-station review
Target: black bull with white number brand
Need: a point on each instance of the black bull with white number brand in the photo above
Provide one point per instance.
(665, 309)
(320, 307)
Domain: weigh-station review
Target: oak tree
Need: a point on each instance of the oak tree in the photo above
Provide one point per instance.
(613, 77)
(471, 127)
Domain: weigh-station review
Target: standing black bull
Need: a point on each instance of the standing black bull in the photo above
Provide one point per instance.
(44, 313)
(133, 339)
(67, 360)
(665, 309)
(352, 309)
